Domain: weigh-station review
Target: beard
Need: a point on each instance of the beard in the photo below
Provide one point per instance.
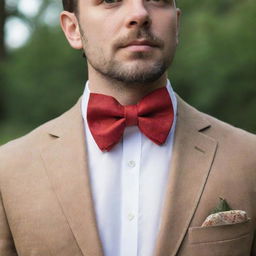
(143, 71)
(130, 74)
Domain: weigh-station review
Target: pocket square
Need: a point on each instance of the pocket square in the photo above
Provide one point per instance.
(223, 215)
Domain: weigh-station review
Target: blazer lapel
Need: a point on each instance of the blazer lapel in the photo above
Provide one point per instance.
(193, 154)
(66, 166)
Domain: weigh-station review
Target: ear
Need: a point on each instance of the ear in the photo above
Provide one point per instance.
(70, 27)
(178, 15)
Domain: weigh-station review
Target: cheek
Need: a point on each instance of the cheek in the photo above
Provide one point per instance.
(168, 33)
(165, 24)
(100, 27)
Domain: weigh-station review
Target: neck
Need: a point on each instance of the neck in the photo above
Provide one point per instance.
(125, 94)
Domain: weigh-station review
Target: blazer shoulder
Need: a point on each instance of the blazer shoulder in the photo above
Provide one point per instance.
(222, 130)
(234, 144)
(30, 144)
(213, 126)
(228, 137)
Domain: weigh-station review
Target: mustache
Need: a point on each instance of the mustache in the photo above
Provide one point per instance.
(136, 35)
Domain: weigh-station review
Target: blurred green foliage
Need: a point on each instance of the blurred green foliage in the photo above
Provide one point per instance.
(214, 68)
(42, 80)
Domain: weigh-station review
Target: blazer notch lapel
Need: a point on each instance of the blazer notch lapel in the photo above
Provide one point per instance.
(66, 166)
(193, 155)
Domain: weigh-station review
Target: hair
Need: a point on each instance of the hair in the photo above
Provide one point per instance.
(70, 5)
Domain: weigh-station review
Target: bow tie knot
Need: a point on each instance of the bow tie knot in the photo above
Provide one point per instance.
(131, 115)
(107, 118)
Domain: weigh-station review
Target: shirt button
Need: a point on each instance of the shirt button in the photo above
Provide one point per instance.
(131, 216)
(131, 164)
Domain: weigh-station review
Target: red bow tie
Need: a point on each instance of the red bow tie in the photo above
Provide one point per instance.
(107, 118)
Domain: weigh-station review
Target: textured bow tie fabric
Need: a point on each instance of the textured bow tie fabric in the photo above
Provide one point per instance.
(107, 118)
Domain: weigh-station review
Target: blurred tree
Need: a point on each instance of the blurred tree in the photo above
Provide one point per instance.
(48, 77)
(2, 22)
(6, 11)
(216, 60)
(2, 56)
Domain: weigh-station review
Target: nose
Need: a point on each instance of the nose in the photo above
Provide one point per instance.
(138, 15)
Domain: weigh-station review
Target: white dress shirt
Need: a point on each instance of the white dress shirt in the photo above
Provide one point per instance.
(128, 186)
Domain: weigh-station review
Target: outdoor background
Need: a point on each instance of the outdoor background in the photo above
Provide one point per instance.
(41, 76)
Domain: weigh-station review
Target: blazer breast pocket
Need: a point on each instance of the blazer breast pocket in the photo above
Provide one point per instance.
(224, 240)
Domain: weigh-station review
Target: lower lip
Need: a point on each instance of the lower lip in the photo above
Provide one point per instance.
(139, 48)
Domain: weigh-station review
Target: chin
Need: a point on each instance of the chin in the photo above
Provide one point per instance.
(138, 74)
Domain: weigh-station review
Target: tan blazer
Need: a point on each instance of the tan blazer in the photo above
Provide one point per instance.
(46, 205)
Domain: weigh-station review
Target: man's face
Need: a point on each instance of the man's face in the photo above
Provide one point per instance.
(132, 41)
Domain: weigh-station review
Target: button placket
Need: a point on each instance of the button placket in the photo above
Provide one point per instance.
(130, 191)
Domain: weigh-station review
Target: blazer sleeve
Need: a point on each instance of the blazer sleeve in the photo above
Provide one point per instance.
(7, 247)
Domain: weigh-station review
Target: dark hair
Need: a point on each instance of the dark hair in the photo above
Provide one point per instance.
(70, 5)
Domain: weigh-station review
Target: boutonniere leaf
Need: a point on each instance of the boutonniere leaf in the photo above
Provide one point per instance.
(221, 207)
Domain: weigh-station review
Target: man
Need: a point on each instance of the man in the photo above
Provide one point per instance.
(131, 169)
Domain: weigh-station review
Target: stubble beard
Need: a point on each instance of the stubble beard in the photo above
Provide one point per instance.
(128, 74)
